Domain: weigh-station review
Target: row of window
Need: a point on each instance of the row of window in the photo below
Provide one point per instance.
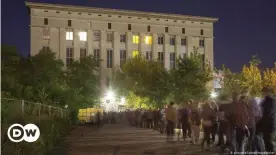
(123, 56)
(109, 26)
(135, 38)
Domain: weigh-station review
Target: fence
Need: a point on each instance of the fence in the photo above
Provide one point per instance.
(32, 109)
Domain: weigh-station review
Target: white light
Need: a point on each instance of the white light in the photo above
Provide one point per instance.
(123, 100)
(110, 94)
(83, 36)
(69, 35)
(66, 106)
(214, 95)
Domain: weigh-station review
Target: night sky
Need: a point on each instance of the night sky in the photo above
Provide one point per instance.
(245, 27)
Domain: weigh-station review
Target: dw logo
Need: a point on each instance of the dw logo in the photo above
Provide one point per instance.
(29, 133)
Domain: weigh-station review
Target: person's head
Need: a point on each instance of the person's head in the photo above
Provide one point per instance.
(267, 91)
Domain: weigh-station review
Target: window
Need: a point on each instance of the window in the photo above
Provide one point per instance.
(122, 57)
(109, 25)
(183, 31)
(122, 38)
(83, 36)
(148, 55)
(148, 28)
(135, 53)
(45, 21)
(97, 35)
(109, 37)
(148, 39)
(161, 58)
(69, 55)
(69, 23)
(160, 40)
(83, 53)
(172, 60)
(183, 41)
(135, 39)
(109, 54)
(97, 56)
(201, 42)
(129, 27)
(201, 32)
(46, 33)
(69, 35)
(166, 29)
(182, 55)
(172, 40)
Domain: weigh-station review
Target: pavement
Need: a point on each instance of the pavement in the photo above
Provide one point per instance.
(119, 139)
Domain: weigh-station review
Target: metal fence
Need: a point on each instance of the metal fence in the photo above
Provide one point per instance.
(14, 106)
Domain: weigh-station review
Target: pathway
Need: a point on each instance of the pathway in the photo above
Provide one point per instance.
(123, 140)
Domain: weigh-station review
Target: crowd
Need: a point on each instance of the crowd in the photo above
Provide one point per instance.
(244, 125)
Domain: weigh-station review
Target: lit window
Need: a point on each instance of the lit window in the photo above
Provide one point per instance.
(135, 53)
(69, 35)
(135, 39)
(83, 36)
(148, 39)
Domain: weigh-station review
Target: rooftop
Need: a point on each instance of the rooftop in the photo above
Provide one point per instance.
(118, 12)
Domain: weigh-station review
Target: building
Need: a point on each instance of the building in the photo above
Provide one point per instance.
(115, 35)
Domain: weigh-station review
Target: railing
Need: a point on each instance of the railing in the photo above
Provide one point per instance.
(31, 108)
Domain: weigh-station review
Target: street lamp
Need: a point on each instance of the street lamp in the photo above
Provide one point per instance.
(214, 95)
(110, 94)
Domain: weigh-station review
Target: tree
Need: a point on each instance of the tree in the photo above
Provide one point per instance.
(144, 78)
(251, 77)
(269, 78)
(231, 82)
(83, 79)
(189, 79)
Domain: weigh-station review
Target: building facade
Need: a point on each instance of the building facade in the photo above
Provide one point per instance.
(113, 36)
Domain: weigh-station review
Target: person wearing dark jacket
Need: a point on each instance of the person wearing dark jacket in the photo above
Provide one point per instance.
(267, 124)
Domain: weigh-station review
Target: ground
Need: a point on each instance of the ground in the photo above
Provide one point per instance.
(121, 139)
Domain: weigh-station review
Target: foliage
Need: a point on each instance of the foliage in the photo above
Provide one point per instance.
(251, 77)
(231, 82)
(134, 101)
(269, 78)
(146, 79)
(43, 78)
(190, 78)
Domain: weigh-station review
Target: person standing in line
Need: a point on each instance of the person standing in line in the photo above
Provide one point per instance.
(195, 125)
(171, 120)
(206, 115)
(267, 124)
(241, 123)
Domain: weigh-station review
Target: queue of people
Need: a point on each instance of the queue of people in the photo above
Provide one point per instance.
(245, 124)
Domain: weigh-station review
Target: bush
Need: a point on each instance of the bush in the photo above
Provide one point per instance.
(52, 132)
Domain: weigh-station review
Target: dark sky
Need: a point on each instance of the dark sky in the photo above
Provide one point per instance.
(245, 27)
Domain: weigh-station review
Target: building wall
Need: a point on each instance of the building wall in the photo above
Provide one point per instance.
(98, 21)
